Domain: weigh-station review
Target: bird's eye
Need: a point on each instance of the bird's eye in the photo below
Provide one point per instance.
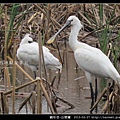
(71, 20)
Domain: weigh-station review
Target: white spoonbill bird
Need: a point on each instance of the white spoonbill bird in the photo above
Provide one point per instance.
(90, 59)
(28, 54)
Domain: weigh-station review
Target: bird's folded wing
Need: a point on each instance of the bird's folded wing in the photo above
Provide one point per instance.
(93, 60)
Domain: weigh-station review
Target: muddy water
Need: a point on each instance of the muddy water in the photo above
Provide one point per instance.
(73, 87)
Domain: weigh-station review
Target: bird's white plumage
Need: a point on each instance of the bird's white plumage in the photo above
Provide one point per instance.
(95, 62)
(92, 60)
(28, 53)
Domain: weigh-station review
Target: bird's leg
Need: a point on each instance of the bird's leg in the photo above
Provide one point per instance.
(96, 92)
(59, 76)
(89, 78)
(111, 86)
(92, 94)
(35, 78)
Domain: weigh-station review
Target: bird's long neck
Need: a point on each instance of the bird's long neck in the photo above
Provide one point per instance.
(73, 42)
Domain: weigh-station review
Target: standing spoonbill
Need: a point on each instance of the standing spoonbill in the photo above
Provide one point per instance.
(90, 59)
(28, 54)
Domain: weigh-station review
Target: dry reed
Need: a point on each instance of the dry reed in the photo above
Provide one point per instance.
(44, 20)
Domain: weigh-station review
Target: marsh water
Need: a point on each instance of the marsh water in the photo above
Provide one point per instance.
(73, 88)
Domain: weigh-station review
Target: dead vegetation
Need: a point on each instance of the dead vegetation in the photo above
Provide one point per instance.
(101, 28)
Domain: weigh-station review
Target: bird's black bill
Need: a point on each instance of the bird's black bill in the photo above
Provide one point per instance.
(53, 37)
(67, 24)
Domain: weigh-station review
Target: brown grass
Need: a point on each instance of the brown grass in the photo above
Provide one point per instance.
(48, 19)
